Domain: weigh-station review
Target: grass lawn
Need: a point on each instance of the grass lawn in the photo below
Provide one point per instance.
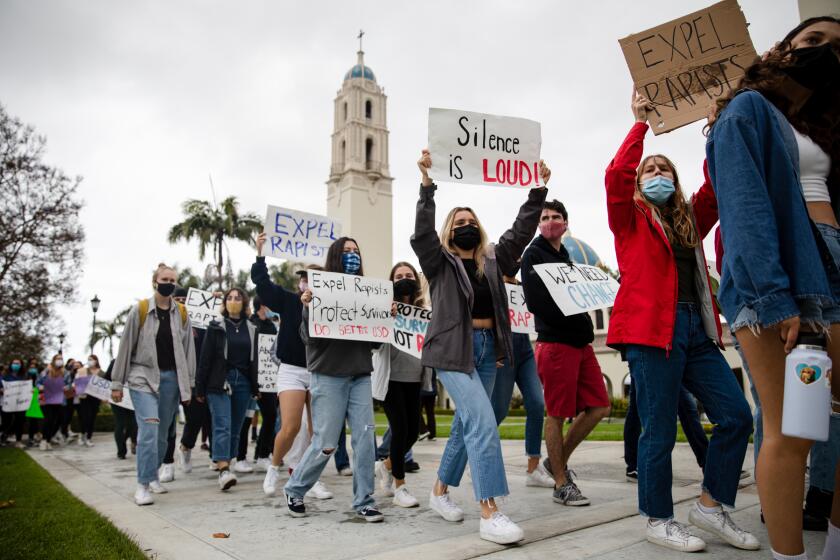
(46, 521)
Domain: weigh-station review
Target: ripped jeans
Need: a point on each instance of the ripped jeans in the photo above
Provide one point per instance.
(149, 409)
(333, 398)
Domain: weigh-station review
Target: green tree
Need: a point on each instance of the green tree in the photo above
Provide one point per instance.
(284, 275)
(105, 331)
(211, 226)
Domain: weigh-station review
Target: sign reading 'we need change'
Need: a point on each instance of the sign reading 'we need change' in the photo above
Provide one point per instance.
(350, 307)
(298, 236)
(578, 288)
(482, 149)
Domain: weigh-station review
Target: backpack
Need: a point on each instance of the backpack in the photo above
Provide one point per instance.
(143, 308)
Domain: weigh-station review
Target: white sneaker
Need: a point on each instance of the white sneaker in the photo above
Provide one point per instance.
(272, 477)
(166, 473)
(226, 480)
(44, 445)
(263, 464)
(58, 439)
(346, 471)
(386, 479)
(88, 442)
(156, 487)
(185, 459)
(674, 535)
(500, 529)
(243, 466)
(403, 498)
(142, 497)
(81, 441)
(445, 507)
(720, 523)
(539, 477)
(214, 466)
(319, 491)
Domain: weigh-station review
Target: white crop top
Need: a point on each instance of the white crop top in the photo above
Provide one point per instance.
(814, 167)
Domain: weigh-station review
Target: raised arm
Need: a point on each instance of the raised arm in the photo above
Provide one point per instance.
(425, 241)
(704, 203)
(513, 242)
(273, 296)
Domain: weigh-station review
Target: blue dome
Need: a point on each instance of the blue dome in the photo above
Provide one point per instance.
(356, 72)
(580, 252)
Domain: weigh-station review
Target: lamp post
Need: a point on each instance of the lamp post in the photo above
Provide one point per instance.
(61, 343)
(94, 305)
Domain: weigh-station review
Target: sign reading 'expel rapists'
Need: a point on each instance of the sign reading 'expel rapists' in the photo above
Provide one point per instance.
(484, 149)
(298, 236)
(350, 307)
(410, 326)
(521, 320)
(203, 307)
(577, 288)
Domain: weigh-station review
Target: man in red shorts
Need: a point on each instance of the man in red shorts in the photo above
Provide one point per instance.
(572, 380)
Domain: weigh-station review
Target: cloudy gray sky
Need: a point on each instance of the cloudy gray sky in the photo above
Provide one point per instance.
(145, 99)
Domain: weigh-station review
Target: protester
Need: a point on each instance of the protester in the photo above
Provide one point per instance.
(13, 421)
(227, 377)
(52, 386)
(468, 337)
(340, 387)
(33, 424)
(775, 166)
(88, 405)
(156, 360)
(263, 317)
(125, 424)
(71, 401)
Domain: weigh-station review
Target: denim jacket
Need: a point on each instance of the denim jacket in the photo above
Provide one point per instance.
(772, 263)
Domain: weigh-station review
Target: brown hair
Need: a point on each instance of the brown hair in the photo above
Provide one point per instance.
(418, 298)
(675, 215)
(53, 371)
(446, 237)
(246, 310)
(160, 268)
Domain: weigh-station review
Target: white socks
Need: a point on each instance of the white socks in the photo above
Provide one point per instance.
(709, 510)
(779, 556)
(832, 543)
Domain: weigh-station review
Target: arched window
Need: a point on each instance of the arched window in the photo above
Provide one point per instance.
(599, 320)
(345, 111)
(368, 110)
(369, 153)
(343, 153)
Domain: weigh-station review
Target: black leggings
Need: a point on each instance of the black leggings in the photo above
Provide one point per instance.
(198, 415)
(402, 407)
(125, 427)
(53, 415)
(427, 403)
(88, 409)
(13, 424)
(268, 410)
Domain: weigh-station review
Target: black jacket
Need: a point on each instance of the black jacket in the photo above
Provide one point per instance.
(264, 326)
(551, 324)
(213, 364)
(290, 348)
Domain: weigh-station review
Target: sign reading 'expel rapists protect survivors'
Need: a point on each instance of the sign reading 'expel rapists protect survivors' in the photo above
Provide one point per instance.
(298, 236)
(484, 149)
(577, 288)
(350, 307)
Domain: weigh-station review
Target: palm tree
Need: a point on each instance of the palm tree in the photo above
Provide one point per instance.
(106, 331)
(212, 225)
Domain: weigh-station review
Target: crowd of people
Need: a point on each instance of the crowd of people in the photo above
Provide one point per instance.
(771, 199)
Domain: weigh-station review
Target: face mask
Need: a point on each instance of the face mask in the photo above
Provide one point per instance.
(466, 237)
(58, 363)
(658, 190)
(303, 285)
(32, 371)
(552, 229)
(15, 367)
(405, 287)
(352, 263)
(271, 315)
(92, 363)
(165, 289)
(234, 307)
(814, 67)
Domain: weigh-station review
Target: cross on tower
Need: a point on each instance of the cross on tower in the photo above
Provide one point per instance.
(361, 34)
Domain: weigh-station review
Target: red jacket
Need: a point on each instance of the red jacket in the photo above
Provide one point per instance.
(646, 305)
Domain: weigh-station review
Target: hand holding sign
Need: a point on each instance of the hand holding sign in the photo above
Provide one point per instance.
(425, 164)
(348, 307)
(640, 105)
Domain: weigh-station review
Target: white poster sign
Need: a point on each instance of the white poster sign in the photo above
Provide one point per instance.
(577, 288)
(266, 368)
(410, 327)
(521, 320)
(481, 149)
(203, 307)
(100, 388)
(298, 236)
(350, 307)
(17, 395)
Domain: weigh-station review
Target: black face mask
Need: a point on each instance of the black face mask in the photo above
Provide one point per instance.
(166, 289)
(466, 237)
(405, 287)
(814, 67)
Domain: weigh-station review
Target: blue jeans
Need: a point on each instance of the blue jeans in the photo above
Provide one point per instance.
(227, 413)
(474, 436)
(333, 399)
(524, 374)
(154, 414)
(824, 456)
(342, 459)
(697, 363)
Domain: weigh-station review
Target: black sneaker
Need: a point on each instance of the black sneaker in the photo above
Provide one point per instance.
(569, 495)
(547, 465)
(369, 514)
(632, 476)
(411, 466)
(295, 505)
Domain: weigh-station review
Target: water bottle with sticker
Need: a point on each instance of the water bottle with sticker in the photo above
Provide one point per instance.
(806, 409)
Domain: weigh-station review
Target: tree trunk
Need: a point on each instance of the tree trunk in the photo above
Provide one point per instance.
(220, 246)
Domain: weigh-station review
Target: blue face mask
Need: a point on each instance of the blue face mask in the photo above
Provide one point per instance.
(15, 368)
(658, 190)
(352, 263)
(271, 315)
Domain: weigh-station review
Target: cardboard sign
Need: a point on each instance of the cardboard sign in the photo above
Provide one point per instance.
(684, 65)
(350, 307)
(577, 288)
(484, 149)
(203, 307)
(16, 395)
(521, 320)
(266, 368)
(297, 236)
(410, 327)
(100, 388)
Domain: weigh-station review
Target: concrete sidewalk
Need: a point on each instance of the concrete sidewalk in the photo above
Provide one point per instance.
(180, 525)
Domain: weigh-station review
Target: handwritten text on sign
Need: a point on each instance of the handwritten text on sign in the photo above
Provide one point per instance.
(577, 288)
(350, 307)
(684, 65)
(521, 320)
(484, 149)
(410, 327)
(100, 388)
(16, 395)
(203, 307)
(266, 368)
(298, 236)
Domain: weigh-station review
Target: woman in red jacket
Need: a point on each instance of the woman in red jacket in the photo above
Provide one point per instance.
(665, 323)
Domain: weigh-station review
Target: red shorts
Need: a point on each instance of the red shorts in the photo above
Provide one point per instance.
(571, 377)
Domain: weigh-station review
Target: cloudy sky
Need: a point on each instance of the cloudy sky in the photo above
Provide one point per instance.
(146, 99)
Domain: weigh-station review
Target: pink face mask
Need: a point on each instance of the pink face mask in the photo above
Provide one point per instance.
(552, 229)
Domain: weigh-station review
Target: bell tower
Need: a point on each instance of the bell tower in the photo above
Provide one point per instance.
(359, 187)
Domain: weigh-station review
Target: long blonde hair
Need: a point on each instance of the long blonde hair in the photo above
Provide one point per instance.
(53, 371)
(446, 237)
(675, 215)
